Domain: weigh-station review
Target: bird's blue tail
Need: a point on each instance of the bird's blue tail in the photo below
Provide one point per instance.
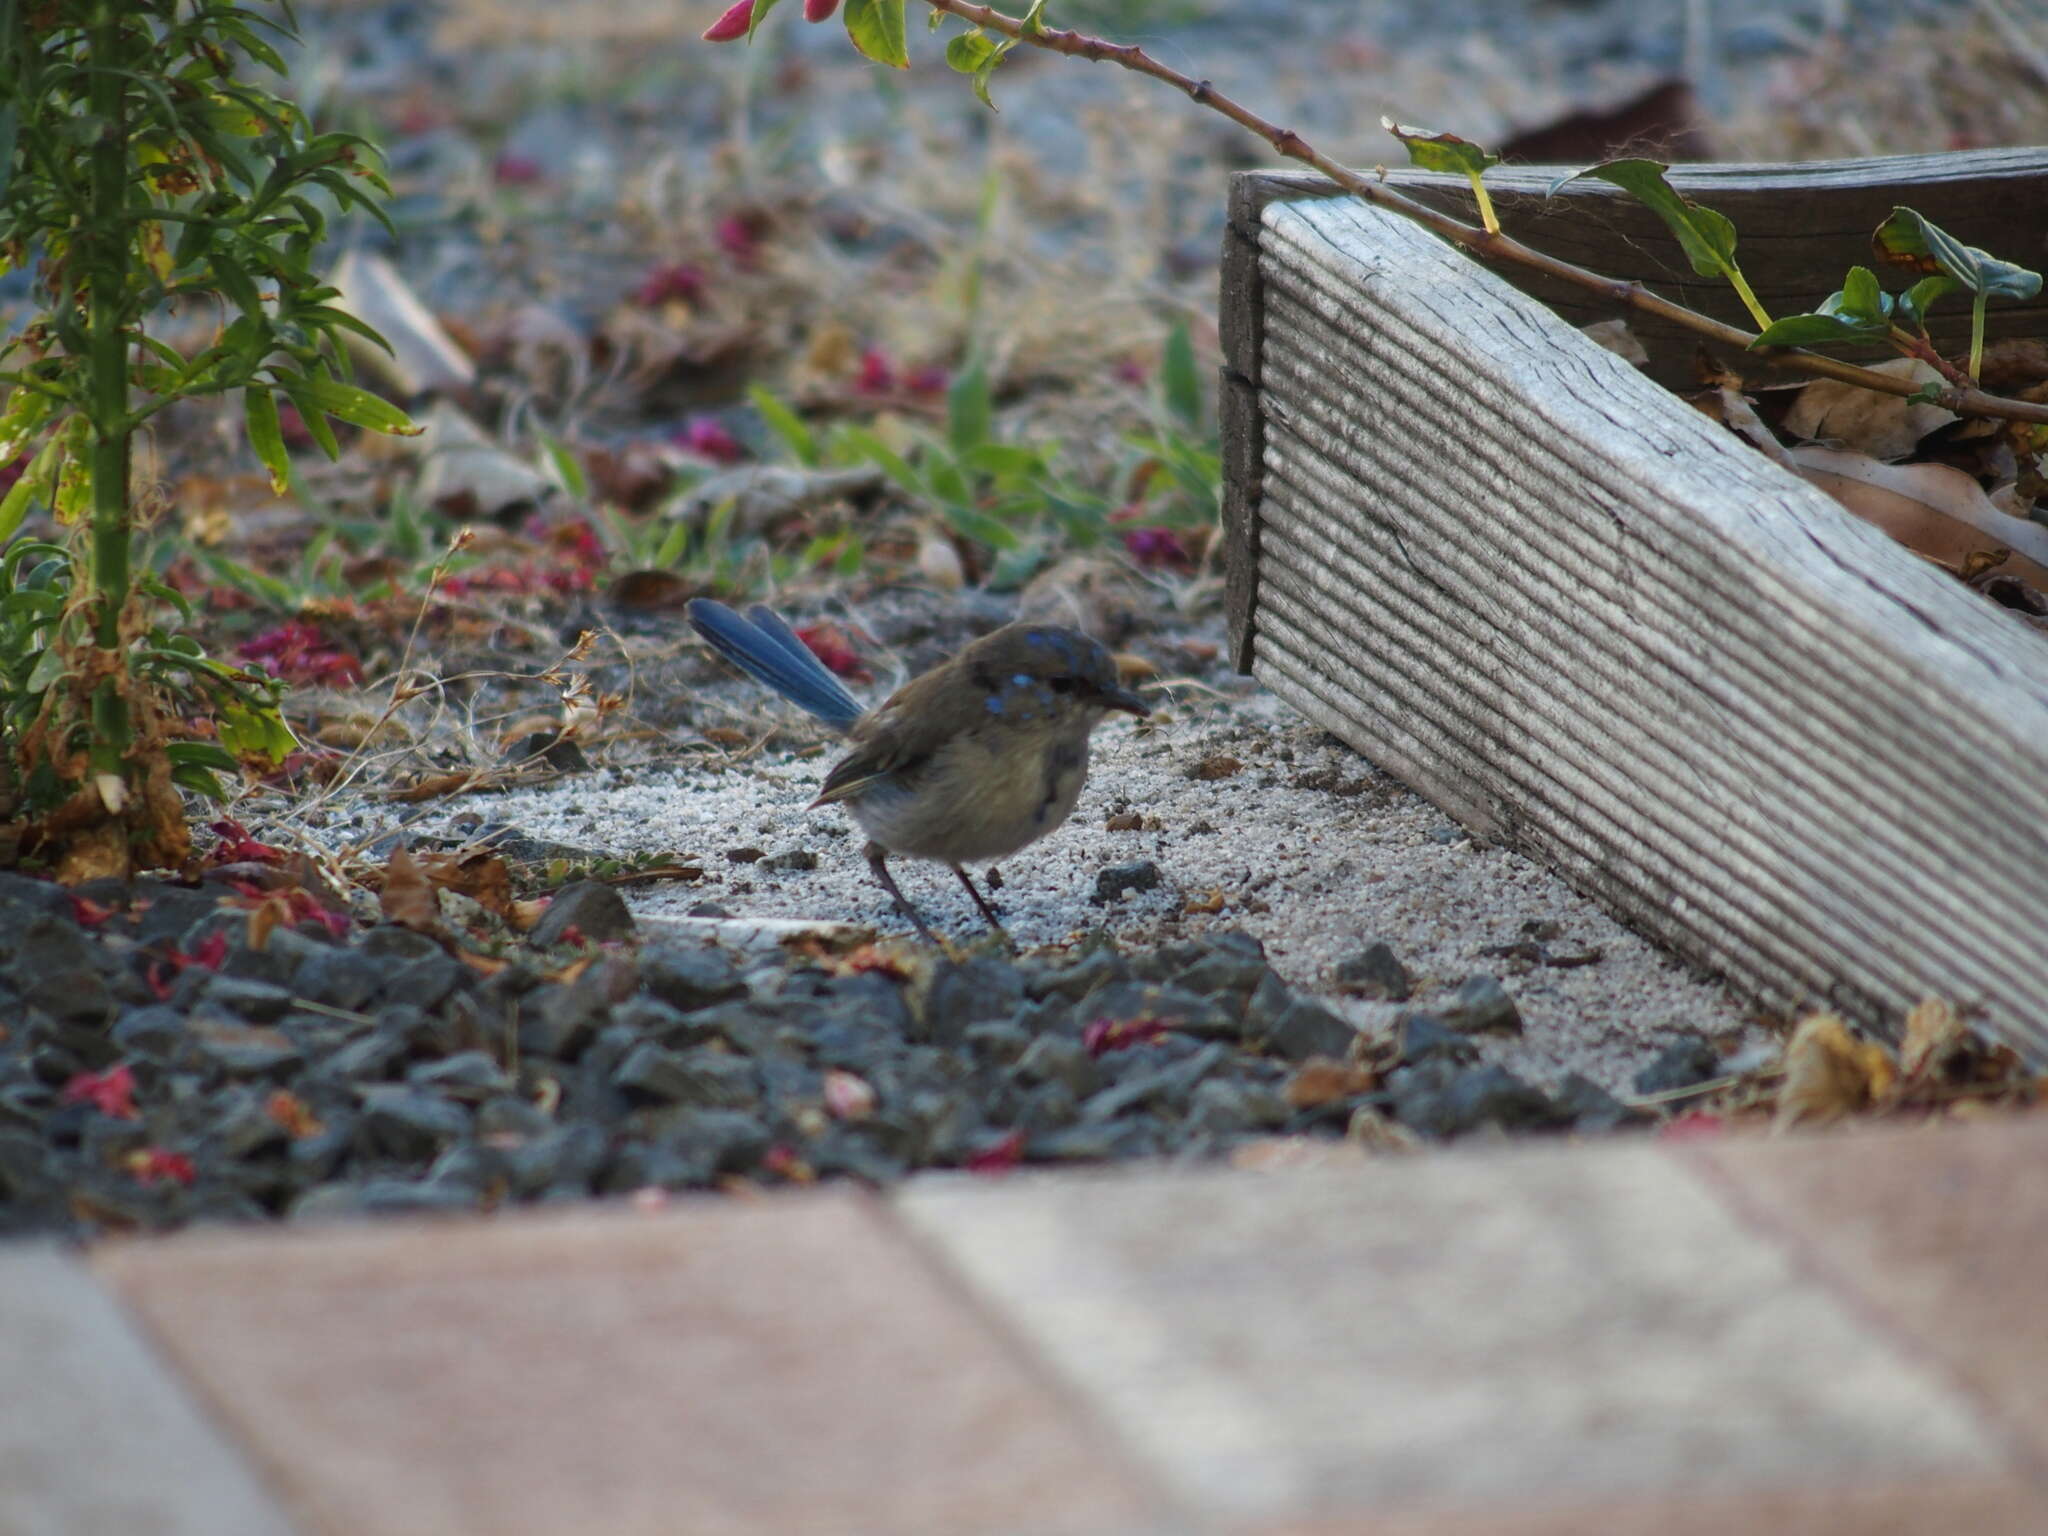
(769, 651)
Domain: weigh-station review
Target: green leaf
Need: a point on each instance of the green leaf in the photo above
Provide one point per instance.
(980, 527)
(205, 754)
(876, 27)
(27, 410)
(200, 781)
(259, 415)
(1180, 379)
(785, 424)
(969, 51)
(1860, 298)
(48, 668)
(759, 15)
(357, 407)
(1908, 240)
(1913, 304)
(870, 447)
(567, 469)
(968, 408)
(1816, 329)
(1441, 151)
(1708, 237)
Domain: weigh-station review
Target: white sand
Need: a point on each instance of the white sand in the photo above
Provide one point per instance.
(1316, 875)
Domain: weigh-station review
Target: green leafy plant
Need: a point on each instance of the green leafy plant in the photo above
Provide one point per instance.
(876, 28)
(142, 175)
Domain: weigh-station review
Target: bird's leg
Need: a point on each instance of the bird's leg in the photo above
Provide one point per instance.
(987, 911)
(878, 861)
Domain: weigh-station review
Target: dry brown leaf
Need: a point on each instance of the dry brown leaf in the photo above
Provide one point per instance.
(1323, 1080)
(1829, 1072)
(1883, 426)
(1373, 1131)
(439, 784)
(1931, 509)
(1934, 1032)
(408, 896)
(482, 877)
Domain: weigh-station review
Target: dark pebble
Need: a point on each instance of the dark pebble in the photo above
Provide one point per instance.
(1591, 1107)
(596, 911)
(1309, 1029)
(1687, 1060)
(1422, 1036)
(1376, 972)
(427, 983)
(1481, 1006)
(409, 1124)
(339, 978)
(1119, 880)
(259, 1002)
(687, 977)
(969, 992)
(469, 1075)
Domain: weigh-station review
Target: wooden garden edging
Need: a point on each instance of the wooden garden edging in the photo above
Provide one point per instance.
(1589, 622)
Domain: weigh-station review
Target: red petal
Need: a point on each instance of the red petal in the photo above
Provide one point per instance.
(734, 23)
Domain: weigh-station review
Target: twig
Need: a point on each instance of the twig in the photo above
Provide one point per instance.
(1962, 400)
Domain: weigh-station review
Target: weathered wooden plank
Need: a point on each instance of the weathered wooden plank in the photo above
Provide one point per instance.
(1240, 428)
(1588, 621)
(1995, 198)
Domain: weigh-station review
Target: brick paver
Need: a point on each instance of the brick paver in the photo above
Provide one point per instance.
(776, 1368)
(1538, 1328)
(1823, 1336)
(1941, 1232)
(96, 1437)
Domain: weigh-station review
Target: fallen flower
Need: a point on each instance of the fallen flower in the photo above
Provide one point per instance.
(848, 1096)
(238, 846)
(1107, 1034)
(1155, 547)
(828, 642)
(998, 1156)
(153, 1165)
(86, 912)
(111, 1092)
(706, 437)
(732, 24)
(678, 280)
(877, 374)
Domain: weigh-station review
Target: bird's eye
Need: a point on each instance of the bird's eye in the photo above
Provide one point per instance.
(1063, 685)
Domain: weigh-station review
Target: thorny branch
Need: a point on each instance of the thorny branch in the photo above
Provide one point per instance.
(1961, 399)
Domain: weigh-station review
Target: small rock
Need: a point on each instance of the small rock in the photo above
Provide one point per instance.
(793, 859)
(972, 991)
(150, 1031)
(1169, 1084)
(1687, 1060)
(704, 1076)
(388, 941)
(689, 977)
(339, 978)
(1591, 1107)
(257, 1001)
(1219, 765)
(467, 1074)
(1423, 1035)
(1482, 1005)
(241, 1050)
(596, 911)
(1060, 1059)
(1220, 1107)
(1375, 971)
(408, 1124)
(427, 982)
(1308, 1029)
(745, 855)
(1118, 880)
(1097, 968)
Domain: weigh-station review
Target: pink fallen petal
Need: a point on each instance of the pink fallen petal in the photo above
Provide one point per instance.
(734, 23)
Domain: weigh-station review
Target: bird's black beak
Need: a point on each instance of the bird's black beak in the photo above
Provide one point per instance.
(1125, 700)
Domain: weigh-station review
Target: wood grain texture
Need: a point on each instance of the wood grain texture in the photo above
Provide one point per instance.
(1800, 228)
(1589, 622)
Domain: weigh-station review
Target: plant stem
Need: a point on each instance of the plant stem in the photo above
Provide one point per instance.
(1977, 333)
(1743, 292)
(105, 245)
(1487, 217)
(1485, 244)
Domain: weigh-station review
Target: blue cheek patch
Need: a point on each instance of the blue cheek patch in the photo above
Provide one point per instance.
(995, 703)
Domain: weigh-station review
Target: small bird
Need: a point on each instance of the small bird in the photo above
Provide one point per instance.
(964, 764)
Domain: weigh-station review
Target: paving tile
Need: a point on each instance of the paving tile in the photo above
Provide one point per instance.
(1940, 1231)
(96, 1437)
(1979, 1508)
(717, 1369)
(1539, 1328)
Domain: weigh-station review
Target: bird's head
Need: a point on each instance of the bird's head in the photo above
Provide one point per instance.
(1029, 673)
